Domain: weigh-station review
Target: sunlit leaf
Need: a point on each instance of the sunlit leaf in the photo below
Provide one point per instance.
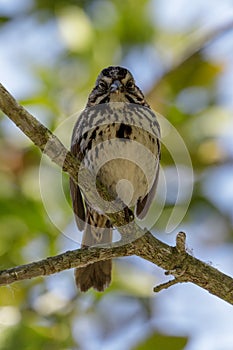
(162, 342)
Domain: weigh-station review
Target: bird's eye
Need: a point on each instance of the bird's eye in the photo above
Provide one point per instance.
(130, 85)
(102, 85)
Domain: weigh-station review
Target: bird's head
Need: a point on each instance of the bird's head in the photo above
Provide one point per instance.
(115, 84)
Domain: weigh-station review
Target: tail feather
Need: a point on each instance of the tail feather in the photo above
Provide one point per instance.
(96, 275)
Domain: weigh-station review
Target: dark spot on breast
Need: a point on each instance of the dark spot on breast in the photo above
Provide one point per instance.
(91, 138)
(93, 135)
(85, 135)
(89, 145)
(124, 131)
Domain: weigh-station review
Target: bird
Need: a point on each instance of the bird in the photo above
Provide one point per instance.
(117, 137)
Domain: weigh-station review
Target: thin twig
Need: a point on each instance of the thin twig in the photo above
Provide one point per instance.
(181, 242)
(166, 285)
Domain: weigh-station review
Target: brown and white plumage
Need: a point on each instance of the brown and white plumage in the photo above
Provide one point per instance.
(118, 140)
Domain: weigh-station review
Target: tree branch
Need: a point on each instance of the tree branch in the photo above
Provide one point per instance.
(184, 267)
(61, 262)
(175, 260)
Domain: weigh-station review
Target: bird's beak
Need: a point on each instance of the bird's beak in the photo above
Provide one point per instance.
(115, 86)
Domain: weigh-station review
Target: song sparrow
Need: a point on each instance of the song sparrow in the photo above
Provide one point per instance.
(116, 110)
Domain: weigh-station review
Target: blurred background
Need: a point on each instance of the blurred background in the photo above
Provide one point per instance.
(181, 55)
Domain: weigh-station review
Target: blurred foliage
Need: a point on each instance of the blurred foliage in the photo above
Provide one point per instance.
(158, 341)
(29, 334)
(89, 35)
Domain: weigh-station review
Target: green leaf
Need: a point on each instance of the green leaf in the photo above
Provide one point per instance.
(162, 342)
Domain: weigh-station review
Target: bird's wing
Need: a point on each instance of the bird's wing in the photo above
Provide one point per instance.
(76, 196)
(143, 204)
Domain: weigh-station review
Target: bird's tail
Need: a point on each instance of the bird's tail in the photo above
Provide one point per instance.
(97, 275)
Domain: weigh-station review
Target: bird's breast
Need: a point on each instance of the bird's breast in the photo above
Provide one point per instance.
(120, 146)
